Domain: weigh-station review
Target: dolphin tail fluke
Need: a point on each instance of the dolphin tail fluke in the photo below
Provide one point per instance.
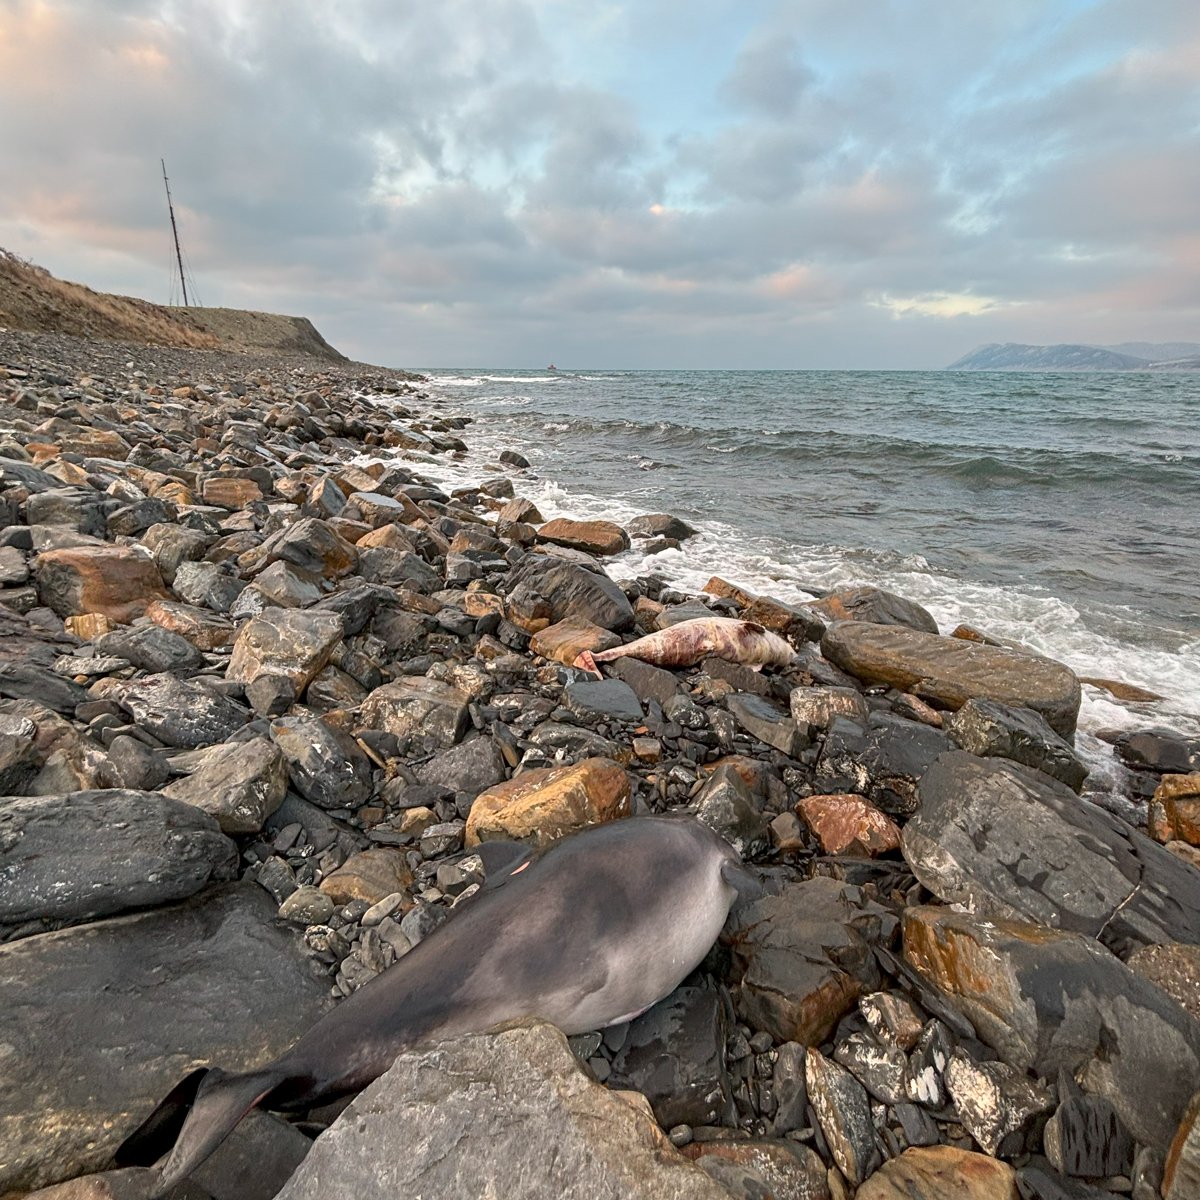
(201, 1111)
(586, 662)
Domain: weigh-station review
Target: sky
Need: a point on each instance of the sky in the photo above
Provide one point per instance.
(658, 183)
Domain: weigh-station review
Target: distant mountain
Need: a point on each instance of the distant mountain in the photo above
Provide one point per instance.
(1067, 356)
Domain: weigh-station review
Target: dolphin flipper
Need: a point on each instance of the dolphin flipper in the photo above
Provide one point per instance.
(748, 886)
(502, 860)
(220, 1102)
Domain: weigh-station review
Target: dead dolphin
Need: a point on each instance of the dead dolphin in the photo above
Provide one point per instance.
(685, 644)
(603, 925)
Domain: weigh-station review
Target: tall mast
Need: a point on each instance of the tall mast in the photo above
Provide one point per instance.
(175, 232)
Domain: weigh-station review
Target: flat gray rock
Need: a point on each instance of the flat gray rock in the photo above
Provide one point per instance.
(603, 700)
(1008, 841)
(179, 712)
(66, 859)
(98, 1023)
(506, 1114)
(239, 783)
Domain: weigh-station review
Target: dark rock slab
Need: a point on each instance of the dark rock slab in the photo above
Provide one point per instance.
(473, 766)
(1160, 750)
(648, 681)
(240, 783)
(1011, 842)
(997, 1104)
(604, 700)
(844, 1113)
(790, 1085)
(895, 755)
(66, 859)
(1085, 1136)
(675, 1056)
(726, 804)
(179, 712)
(875, 605)
(990, 729)
(152, 648)
(805, 957)
(950, 671)
(762, 720)
(545, 591)
(324, 764)
(882, 1070)
(212, 980)
(1045, 1000)
(490, 1115)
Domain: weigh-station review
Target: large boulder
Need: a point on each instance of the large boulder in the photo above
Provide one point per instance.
(1009, 841)
(942, 1173)
(66, 859)
(950, 671)
(324, 764)
(101, 1021)
(240, 783)
(114, 580)
(496, 1114)
(179, 712)
(592, 537)
(874, 605)
(545, 591)
(542, 805)
(1045, 1001)
(285, 641)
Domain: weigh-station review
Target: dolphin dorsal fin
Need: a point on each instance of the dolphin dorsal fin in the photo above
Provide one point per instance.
(502, 860)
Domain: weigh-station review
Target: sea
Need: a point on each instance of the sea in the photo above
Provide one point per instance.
(1061, 510)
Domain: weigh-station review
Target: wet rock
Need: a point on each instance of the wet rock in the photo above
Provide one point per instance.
(990, 729)
(882, 1070)
(874, 605)
(895, 756)
(540, 806)
(280, 586)
(941, 1173)
(398, 568)
(369, 875)
(675, 1056)
(240, 783)
(805, 957)
(950, 671)
(1162, 751)
(817, 706)
(844, 1114)
(203, 628)
(520, 511)
(307, 905)
(75, 508)
(499, 1114)
(114, 580)
(763, 1170)
(726, 804)
(207, 585)
(648, 682)
(1011, 842)
(893, 1018)
(242, 981)
(1174, 967)
(1181, 1171)
(997, 1105)
(1085, 1136)
(655, 525)
(285, 642)
(171, 545)
(324, 764)
(180, 713)
(151, 648)
(1047, 1001)
(592, 537)
(848, 824)
(762, 720)
(420, 709)
(544, 593)
(790, 1088)
(1175, 810)
(471, 767)
(564, 641)
(72, 858)
(798, 622)
(312, 546)
(604, 700)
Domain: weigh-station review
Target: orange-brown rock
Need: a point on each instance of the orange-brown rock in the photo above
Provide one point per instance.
(175, 492)
(719, 587)
(284, 641)
(94, 443)
(87, 626)
(1181, 1171)
(521, 511)
(941, 1173)
(1174, 967)
(391, 537)
(546, 804)
(206, 630)
(369, 875)
(752, 771)
(115, 581)
(1174, 813)
(230, 493)
(847, 824)
(780, 1168)
(1121, 691)
(592, 537)
(568, 639)
(482, 604)
(645, 610)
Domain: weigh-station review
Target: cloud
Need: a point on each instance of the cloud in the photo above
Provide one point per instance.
(701, 184)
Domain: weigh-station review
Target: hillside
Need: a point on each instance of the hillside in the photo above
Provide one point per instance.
(32, 299)
(1069, 356)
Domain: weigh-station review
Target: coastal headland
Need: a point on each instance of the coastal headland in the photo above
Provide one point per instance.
(264, 687)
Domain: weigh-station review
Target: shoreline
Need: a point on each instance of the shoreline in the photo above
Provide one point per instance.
(263, 696)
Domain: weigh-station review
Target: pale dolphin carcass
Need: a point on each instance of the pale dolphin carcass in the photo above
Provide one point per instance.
(685, 644)
(603, 925)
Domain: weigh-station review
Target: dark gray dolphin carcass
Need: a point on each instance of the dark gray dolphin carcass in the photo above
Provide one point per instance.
(603, 925)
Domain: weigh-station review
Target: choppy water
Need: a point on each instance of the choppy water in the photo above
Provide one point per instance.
(1059, 509)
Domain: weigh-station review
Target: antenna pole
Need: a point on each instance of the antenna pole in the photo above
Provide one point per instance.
(175, 232)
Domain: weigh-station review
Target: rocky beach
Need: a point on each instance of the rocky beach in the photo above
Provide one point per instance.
(265, 688)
